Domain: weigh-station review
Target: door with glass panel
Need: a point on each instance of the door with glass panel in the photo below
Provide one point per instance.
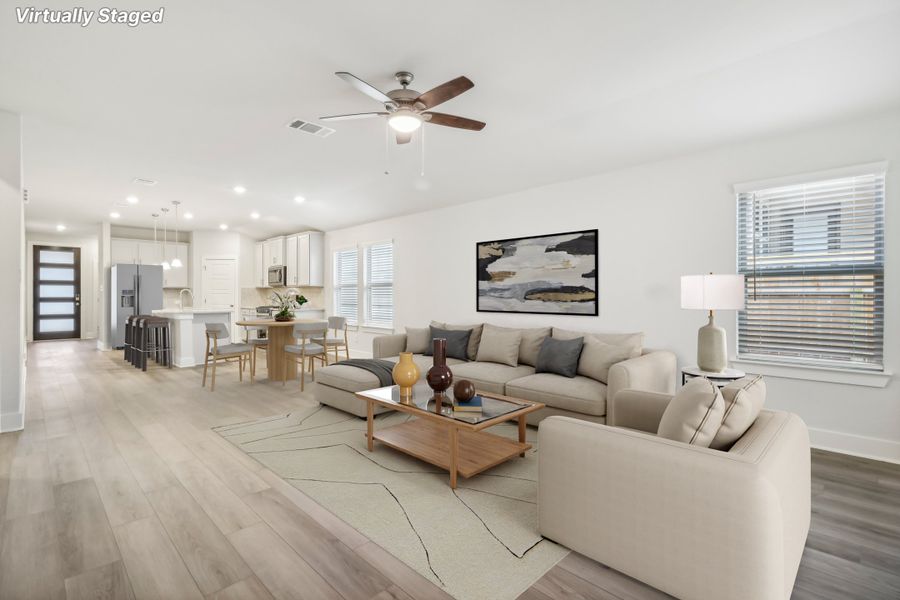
(57, 293)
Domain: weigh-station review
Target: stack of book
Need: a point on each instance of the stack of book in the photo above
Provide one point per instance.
(473, 405)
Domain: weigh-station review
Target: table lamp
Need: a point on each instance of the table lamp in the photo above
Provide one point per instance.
(712, 292)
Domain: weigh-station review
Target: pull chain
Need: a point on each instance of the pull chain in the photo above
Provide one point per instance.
(422, 146)
(387, 145)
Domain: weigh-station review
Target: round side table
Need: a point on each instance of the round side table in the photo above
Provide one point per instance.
(721, 379)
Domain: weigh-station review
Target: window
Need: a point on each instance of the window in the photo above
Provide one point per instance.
(379, 285)
(370, 289)
(812, 254)
(346, 284)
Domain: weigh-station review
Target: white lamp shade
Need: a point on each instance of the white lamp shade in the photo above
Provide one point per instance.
(712, 292)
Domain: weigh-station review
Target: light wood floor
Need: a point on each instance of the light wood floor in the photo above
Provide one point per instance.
(118, 489)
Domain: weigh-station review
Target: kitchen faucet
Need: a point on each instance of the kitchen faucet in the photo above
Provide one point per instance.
(181, 298)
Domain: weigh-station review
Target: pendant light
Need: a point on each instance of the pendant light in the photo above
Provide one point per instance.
(176, 262)
(165, 263)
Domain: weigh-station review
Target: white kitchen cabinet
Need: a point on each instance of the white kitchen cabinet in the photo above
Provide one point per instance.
(123, 252)
(149, 253)
(177, 277)
(290, 259)
(310, 259)
(273, 252)
(260, 275)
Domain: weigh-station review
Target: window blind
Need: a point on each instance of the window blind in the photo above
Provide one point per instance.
(379, 284)
(346, 284)
(813, 259)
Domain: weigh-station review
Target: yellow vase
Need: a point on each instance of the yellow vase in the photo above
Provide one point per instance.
(406, 374)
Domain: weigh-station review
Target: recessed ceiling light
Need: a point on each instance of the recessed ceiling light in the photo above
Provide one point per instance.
(132, 199)
(239, 189)
(114, 215)
(60, 227)
(254, 215)
(188, 215)
(223, 226)
(299, 199)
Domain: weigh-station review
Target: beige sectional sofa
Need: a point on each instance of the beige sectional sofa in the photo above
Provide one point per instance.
(582, 396)
(691, 521)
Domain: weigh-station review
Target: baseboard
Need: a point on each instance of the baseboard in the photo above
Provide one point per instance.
(101, 346)
(856, 445)
(12, 422)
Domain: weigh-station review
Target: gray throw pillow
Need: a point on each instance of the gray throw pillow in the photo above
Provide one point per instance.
(418, 339)
(457, 342)
(559, 356)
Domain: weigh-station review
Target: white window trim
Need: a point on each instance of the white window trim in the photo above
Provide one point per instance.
(787, 368)
(361, 308)
(363, 304)
(334, 252)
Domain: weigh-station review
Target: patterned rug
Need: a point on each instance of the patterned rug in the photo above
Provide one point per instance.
(478, 542)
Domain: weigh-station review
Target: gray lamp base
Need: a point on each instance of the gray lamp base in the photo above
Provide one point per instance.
(712, 347)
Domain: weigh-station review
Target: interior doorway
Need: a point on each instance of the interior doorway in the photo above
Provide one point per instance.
(219, 283)
(57, 293)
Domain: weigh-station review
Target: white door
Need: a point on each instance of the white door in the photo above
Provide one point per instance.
(219, 283)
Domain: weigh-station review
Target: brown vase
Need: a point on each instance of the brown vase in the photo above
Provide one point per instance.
(439, 376)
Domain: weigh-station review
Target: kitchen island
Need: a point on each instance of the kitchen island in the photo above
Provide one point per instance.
(189, 332)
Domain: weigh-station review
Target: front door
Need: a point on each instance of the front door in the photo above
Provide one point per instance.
(57, 293)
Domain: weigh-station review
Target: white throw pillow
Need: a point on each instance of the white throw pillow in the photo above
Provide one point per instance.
(743, 399)
(694, 414)
(597, 357)
(499, 346)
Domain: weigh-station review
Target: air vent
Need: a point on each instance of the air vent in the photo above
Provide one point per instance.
(310, 128)
(147, 182)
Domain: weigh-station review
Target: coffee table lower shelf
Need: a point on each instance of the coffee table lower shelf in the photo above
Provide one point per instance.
(426, 440)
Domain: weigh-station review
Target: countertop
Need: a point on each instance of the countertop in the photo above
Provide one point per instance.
(190, 311)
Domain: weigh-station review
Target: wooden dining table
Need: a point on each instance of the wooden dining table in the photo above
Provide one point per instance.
(279, 334)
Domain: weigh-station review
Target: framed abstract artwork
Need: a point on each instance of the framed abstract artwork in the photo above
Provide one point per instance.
(545, 274)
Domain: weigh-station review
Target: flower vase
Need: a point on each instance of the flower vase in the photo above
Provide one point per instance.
(439, 376)
(406, 374)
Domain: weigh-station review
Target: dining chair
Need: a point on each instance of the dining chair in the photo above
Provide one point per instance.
(306, 349)
(335, 337)
(225, 353)
(256, 343)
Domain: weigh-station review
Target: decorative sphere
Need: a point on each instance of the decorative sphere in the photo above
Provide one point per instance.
(464, 390)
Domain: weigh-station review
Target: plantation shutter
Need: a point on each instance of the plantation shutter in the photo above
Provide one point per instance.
(813, 258)
(380, 284)
(346, 284)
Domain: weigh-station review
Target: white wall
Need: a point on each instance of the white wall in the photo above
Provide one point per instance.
(656, 222)
(90, 288)
(12, 273)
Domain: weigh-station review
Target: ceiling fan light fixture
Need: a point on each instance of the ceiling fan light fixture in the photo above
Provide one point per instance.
(405, 121)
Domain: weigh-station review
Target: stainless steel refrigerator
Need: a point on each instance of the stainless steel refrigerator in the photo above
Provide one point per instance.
(136, 290)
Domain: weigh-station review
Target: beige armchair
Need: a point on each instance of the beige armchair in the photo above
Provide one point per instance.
(693, 522)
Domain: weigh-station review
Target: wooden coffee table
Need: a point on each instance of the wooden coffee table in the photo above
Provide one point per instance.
(454, 442)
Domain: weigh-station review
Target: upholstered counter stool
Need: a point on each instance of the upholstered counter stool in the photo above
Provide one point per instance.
(152, 339)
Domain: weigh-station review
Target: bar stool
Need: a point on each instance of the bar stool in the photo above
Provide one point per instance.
(305, 350)
(225, 352)
(152, 339)
(338, 325)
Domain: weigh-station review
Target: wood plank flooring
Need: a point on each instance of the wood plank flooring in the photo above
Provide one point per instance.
(118, 489)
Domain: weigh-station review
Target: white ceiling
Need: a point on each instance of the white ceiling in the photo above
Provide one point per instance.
(567, 89)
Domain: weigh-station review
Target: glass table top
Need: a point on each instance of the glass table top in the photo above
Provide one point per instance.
(423, 399)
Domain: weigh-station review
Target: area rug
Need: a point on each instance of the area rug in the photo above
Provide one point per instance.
(478, 542)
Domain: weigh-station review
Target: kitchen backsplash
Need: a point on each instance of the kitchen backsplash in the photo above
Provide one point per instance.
(251, 297)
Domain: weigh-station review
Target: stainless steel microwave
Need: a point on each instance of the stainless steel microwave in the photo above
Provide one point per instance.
(277, 276)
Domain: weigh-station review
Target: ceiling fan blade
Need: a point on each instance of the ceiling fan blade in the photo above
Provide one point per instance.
(364, 87)
(366, 115)
(445, 92)
(404, 138)
(454, 121)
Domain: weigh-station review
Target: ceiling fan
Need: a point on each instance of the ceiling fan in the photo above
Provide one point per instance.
(407, 109)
